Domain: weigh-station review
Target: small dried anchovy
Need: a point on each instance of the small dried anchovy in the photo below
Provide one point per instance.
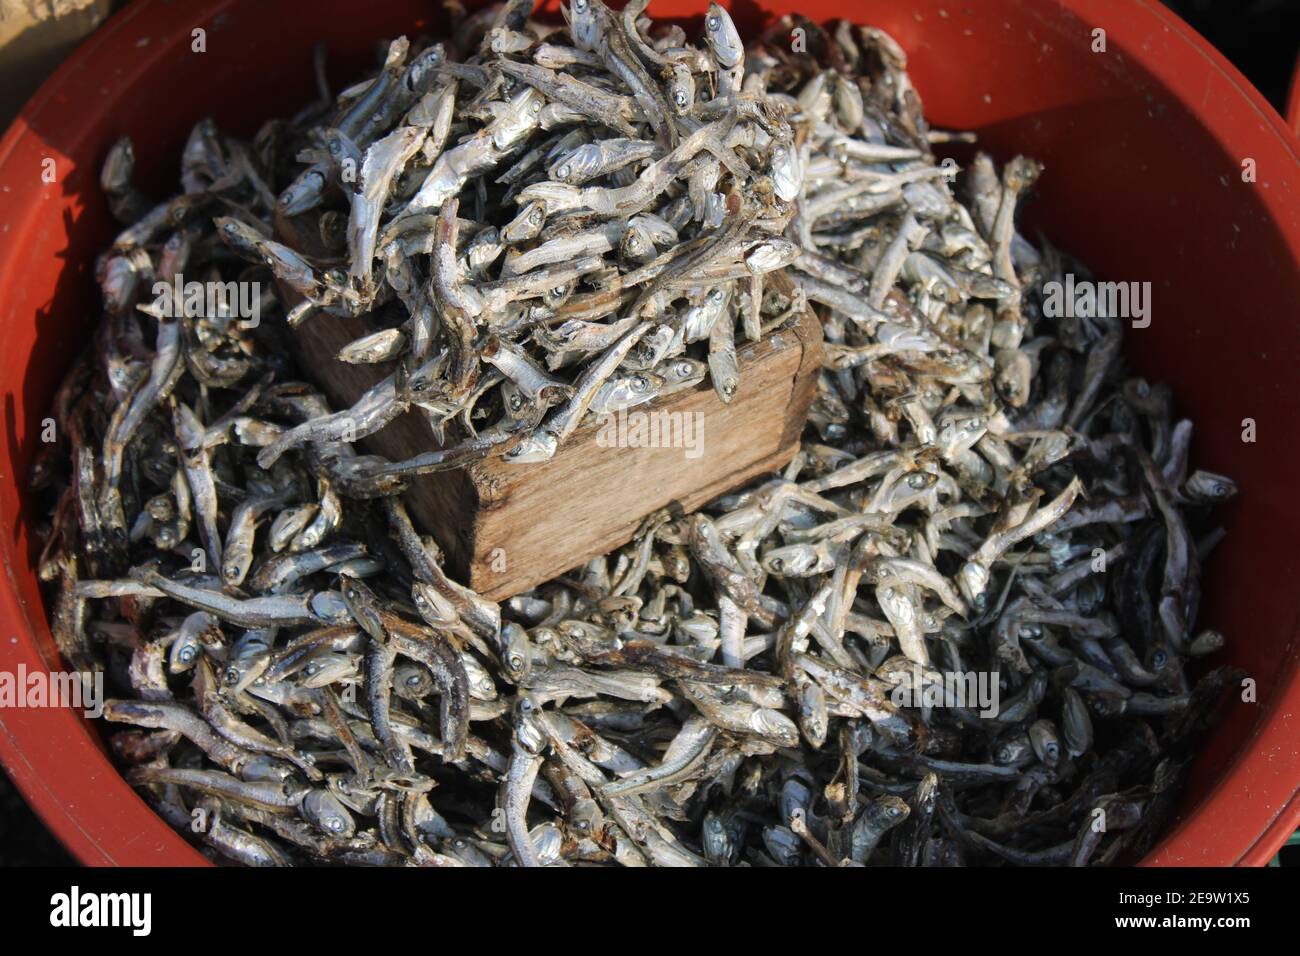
(530, 221)
(981, 490)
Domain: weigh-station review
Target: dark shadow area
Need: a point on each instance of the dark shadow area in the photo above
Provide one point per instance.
(1260, 37)
(24, 841)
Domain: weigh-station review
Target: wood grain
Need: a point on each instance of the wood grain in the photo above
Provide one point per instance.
(506, 528)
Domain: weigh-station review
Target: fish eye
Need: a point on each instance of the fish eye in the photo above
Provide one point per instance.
(536, 217)
(516, 661)
(1158, 659)
(413, 680)
(713, 22)
(777, 564)
(680, 98)
(580, 5)
(537, 106)
(335, 824)
(563, 172)
(716, 295)
(187, 654)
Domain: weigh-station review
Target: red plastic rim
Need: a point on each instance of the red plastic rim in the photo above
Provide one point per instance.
(1133, 136)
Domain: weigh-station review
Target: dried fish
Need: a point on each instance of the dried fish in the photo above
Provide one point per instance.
(956, 625)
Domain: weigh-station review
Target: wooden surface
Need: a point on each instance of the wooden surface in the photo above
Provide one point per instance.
(444, 504)
(588, 499)
(506, 528)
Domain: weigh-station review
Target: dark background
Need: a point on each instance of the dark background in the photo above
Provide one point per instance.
(1260, 37)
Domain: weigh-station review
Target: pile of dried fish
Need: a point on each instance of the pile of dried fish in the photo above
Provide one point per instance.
(980, 492)
(601, 177)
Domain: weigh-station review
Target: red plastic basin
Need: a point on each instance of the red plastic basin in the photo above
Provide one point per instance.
(1143, 146)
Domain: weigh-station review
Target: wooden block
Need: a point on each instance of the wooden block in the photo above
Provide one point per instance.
(506, 528)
